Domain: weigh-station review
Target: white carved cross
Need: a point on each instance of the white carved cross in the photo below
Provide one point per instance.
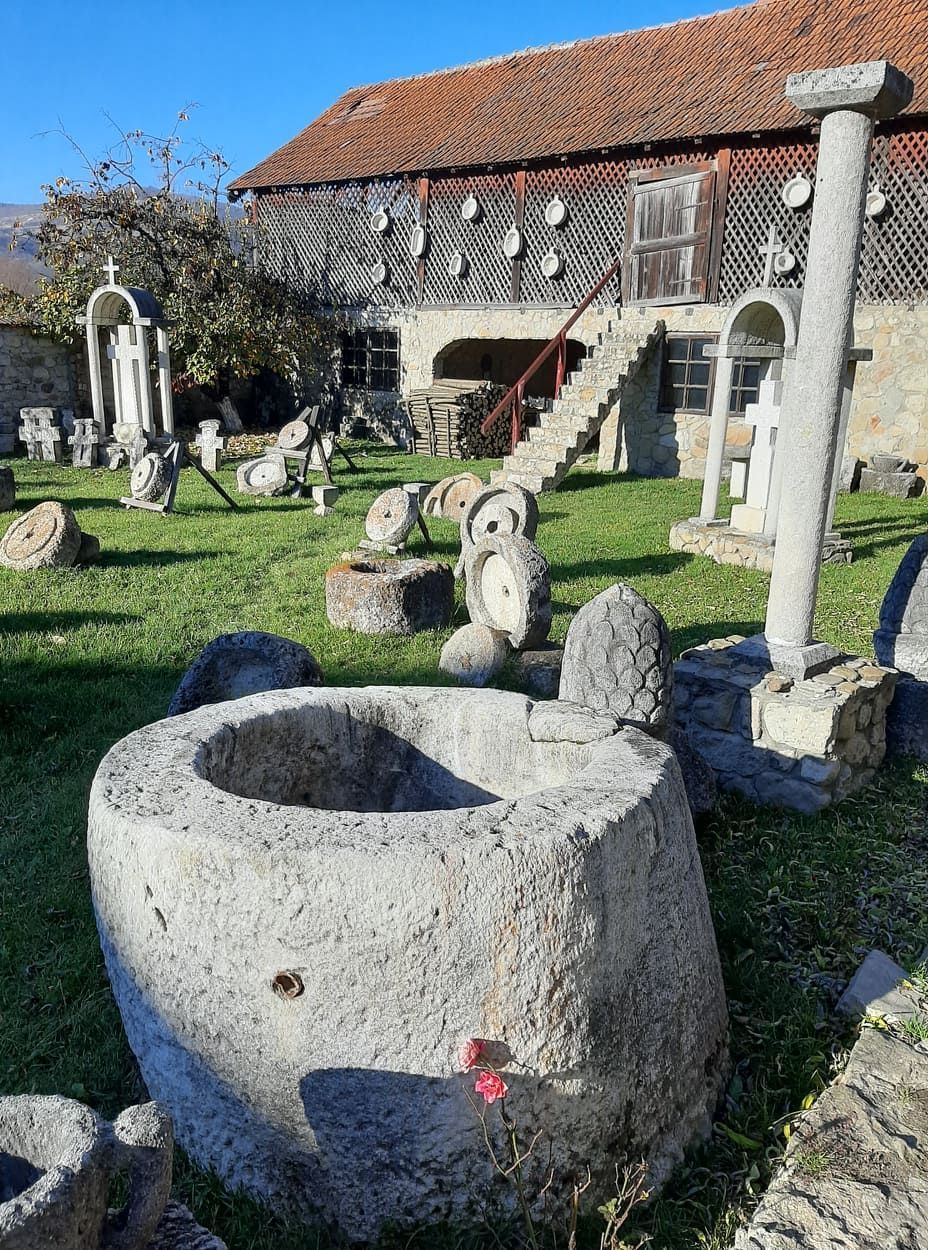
(210, 443)
(110, 269)
(127, 357)
(771, 250)
(764, 416)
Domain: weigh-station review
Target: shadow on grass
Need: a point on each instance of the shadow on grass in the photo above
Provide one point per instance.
(621, 568)
(143, 558)
(39, 622)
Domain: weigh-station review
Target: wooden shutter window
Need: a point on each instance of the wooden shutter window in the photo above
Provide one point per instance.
(669, 235)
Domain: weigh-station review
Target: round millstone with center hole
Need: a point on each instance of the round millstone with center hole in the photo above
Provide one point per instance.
(509, 588)
(295, 436)
(391, 517)
(263, 476)
(46, 537)
(506, 509)
(449, 497)
(149, 478)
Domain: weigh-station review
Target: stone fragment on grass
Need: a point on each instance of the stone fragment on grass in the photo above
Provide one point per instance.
(234, 665)
(874, 990)
(46, 537)
(538, 671)
(474, 654)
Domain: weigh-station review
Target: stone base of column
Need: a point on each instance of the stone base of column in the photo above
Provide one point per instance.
(725, 545)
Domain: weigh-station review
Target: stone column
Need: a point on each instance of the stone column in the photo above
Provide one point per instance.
(718, 429)
(848, 100)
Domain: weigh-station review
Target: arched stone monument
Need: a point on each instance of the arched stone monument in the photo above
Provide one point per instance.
(128, 353)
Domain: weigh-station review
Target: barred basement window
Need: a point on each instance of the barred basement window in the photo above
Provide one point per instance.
(745, 386)
(686, 377)
(371, 359)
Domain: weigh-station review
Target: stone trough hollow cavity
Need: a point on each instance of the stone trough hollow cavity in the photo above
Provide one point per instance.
(308, 899)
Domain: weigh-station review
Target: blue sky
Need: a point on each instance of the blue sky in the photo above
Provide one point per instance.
(259, 72)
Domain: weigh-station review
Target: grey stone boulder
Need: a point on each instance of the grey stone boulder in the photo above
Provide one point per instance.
(509, 588)
(46, 537)
(7, 489)
(57, 1161)
(896, 485)
(875, 990)
(473, 655)
(389, 596)
(234, 665)
(179, 1230)
(617, 657)
(308, 900)
(537, 672)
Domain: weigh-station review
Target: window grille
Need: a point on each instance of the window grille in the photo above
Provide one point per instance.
(686, 376)
(370, 359)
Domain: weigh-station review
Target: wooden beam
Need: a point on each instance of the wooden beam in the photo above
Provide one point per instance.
(519, 219)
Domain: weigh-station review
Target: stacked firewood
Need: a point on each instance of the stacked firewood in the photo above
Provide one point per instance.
(446, 418)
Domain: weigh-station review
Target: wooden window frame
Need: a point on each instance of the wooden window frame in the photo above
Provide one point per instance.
(665, 361)
(357, 339)
(670, 174)
(737, 384)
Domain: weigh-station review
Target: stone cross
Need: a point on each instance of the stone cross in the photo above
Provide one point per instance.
(764, 416)
(110, 269)
(127, 360)
(848, 100)
(771, 250)
(84, 441)
(210, 443)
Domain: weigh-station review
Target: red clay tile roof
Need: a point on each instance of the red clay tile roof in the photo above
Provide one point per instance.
(718, 75)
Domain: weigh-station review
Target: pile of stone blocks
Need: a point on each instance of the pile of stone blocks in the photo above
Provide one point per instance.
(797, 744)
(891, 475)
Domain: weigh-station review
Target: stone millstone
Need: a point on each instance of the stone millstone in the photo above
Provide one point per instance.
(389, 596)
(47, 537)
(391, 517)
(263, 476)
(509, 589)
(617, 656)
(506, 509)
(473, 655)
(449, 497)
(295, 436)
(149, 478)
(7, 490)
(234, 665)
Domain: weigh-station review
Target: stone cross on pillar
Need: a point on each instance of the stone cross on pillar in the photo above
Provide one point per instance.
(210, 443)
(771, 250)
(764, 416)
(848, 100)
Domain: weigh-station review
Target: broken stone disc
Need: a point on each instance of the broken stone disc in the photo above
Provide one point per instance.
(509, 588)
(473, 655)
(149, 479)
(618, 658)
(391, 517)
(504, 509)
(295, 436)
(263, 476)
(449, 497)
(46, 537)
(7, 490)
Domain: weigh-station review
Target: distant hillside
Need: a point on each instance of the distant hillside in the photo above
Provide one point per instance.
(29, 217)
(18, 274)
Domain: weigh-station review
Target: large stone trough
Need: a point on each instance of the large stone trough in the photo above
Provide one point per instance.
(308, 899)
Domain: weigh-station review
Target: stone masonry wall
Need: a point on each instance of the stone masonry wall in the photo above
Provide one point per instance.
(34, 372)
(890, 410)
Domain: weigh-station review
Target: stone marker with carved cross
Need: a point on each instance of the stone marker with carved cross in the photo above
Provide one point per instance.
(210, 443)
(84, 443)
(764, 416)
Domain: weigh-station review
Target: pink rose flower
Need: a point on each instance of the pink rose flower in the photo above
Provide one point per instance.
(470, 1052)
(491, 1086)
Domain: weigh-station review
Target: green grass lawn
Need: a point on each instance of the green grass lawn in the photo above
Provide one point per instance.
(88, 655)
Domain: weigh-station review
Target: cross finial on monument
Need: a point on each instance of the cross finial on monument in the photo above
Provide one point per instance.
(771, 250)
(110, 269)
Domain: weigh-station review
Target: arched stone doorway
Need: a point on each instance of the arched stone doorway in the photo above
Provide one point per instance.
(504, 361)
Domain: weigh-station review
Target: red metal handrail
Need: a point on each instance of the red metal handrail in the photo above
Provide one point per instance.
(515, 396)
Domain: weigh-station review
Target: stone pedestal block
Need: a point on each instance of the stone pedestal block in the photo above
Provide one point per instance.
(795, 744)
(896, 485)
(726, 545)
(308, 900)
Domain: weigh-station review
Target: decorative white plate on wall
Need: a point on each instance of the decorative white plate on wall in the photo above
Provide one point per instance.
(379, 273)
(797, 192)
(470, 209)
(552, 264)
(380, 222)
(556, 211)
(784, 263)
(418, 240)
(877, 203)
(512, 244)
(457, 265)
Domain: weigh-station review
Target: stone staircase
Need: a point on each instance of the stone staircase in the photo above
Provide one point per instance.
(541, 460)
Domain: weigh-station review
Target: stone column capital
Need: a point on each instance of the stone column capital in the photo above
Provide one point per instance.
(875, 88)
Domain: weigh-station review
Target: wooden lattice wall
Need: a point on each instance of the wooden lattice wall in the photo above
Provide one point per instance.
(321, 237)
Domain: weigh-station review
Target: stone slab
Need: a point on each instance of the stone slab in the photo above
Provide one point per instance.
(874, 990)
(896, 485)
(876, 88)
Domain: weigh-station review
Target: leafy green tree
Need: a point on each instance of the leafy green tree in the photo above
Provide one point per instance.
(156, 204)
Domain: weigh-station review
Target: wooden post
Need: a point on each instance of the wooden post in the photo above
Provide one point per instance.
(423, 221)
(519, 220)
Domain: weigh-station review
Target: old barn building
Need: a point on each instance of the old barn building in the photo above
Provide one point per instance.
(458, 218)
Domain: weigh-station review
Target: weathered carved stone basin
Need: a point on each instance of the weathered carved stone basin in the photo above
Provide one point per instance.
(308, 899)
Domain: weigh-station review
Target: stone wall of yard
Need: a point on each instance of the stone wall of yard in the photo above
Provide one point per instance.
(890, 411)
(34, 372)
